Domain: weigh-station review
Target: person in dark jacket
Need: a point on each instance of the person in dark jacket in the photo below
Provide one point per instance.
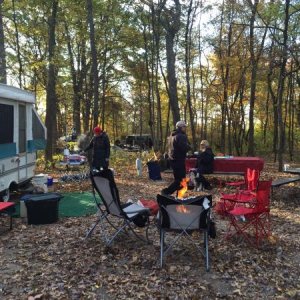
(205, 164)
(178, 147)
(101, 149)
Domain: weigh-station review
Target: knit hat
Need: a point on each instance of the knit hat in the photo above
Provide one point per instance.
(180, 124)
(97, 129)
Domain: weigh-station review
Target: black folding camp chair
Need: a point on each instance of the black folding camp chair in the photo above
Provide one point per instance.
(184, 217)
(110, 209)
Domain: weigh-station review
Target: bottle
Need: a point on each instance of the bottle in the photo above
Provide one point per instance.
(138, 165)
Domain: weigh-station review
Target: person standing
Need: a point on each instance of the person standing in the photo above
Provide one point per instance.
(205, 164)
(101, 149)
(178, 148)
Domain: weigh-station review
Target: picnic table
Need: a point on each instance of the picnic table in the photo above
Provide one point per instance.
(292, 171)
(229, 164)
(283, 181)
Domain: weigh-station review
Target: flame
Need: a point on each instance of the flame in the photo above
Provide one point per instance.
(184, 188)
(182, 209)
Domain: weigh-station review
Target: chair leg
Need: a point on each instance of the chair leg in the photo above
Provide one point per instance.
(10, 222)
(89, 233)
(206, 250)
(162, 242)
(108, 243)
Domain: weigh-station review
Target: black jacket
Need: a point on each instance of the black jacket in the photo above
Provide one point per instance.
(101, 149)
(178, 145)
(205, 161)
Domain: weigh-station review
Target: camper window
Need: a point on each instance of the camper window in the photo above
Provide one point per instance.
(6, 124)
(38, 131)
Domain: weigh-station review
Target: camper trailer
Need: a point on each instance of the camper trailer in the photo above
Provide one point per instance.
(22, 133)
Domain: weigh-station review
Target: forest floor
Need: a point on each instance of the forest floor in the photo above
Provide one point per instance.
(56, 262)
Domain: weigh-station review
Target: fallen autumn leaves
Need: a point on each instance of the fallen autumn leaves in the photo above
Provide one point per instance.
(55, 261)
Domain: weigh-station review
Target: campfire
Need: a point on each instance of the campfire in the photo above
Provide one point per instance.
(182, 191)
(180, 195)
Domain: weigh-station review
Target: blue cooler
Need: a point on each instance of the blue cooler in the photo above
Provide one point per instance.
(154, 170)
(42, 208)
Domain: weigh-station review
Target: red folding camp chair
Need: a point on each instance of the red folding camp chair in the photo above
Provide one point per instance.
(248, 193)
(251, 177)
(250, 218)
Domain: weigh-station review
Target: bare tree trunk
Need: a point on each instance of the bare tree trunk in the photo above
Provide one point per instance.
(273, 98)
(188, 43)
(203, 124)
(3, 78)
(104, 86)
(88, 104)
(51, 99)
(90, 21)
(171, 23)
(20, 71)
(281, 82)
(253, 63)
(149, 83)
(289, 115)
(224, 75)
(76, 98)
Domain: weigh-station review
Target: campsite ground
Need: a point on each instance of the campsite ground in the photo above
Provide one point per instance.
(55, 261)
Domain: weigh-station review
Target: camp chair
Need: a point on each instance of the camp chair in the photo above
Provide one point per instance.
(250, 218)
(247, 193)
(184, 217)
(129, 215)
(250, 181)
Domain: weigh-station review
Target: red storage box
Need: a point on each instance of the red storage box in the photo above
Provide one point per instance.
(151, 204)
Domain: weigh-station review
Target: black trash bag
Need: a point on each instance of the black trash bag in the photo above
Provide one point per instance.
(141, 220)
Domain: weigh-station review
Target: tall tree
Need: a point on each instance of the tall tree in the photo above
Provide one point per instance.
(188, 62)
(171, 23)
(51, 100)
(254, 59)
(17, 43)
(281, 85)
(90, 21)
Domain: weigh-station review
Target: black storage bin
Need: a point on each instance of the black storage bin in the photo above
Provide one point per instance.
(43, 208)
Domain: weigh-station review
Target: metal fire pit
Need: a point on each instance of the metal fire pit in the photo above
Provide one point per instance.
(187, 213)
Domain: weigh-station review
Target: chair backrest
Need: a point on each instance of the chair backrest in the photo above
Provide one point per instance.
(263, 196)
(251, 178)
(105, 185)
(189, 214)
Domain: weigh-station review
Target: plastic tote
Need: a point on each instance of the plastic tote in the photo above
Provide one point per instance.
(42, 208)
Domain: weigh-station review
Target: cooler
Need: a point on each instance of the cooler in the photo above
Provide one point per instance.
(42, 208)
(154, 170)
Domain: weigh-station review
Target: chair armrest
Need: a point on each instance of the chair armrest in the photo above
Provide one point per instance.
(135, 208)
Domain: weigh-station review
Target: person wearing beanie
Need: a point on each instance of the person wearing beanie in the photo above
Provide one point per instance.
(178, 148)
(101, 149)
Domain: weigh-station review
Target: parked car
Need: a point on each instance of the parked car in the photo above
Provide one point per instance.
(138, 141)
